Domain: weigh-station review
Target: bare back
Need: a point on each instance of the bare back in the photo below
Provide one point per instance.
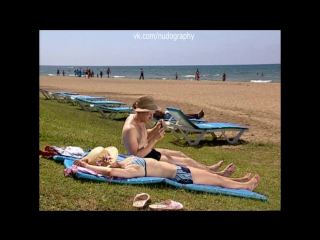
(154, 168)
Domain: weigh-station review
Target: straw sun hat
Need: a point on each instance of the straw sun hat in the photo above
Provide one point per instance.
(145, 104)
(103, 156)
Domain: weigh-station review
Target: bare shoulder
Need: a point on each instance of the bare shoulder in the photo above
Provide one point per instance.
(129, 124)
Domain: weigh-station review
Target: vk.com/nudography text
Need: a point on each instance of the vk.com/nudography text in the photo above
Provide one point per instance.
(164, 36)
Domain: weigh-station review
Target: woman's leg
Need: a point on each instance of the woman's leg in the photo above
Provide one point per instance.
(200, 176)
(179, 158)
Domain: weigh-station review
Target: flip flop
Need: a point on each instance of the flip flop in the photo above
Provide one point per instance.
(140, 200)
(166, 205)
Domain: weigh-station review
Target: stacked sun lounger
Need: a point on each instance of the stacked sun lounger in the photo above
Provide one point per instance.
(111, 113)
(56, 95)
(109, 109)
(88, 103)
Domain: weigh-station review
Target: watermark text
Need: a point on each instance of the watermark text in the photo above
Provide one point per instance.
(163, 36)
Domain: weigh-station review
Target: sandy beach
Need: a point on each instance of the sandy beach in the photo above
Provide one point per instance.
(255, 105)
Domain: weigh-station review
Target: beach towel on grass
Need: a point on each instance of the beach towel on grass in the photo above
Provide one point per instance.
(83, 173)
(69, 151)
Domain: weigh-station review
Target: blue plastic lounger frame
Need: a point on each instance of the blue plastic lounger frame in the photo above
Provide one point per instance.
(112, 112)
(53, 95)
(88, 104)
(73, 98)
(186, 126)
(68, 162)
(61, 97)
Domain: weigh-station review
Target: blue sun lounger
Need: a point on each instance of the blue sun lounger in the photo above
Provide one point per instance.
(62, 97)
(185, 126)
(87, 104)
(54, 95)
(73, 98)
(112, 112)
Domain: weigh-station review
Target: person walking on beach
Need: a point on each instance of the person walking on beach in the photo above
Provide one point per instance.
(58, 72)
(62, 72)
(141, 74)
(224, 76)
(108, 71)
(176, 75)
(197, 77)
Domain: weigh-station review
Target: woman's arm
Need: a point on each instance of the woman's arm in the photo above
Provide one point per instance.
(130, 141)
(152, 133)
(112, 172)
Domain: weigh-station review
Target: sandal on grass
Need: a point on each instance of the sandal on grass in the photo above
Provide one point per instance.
(166, 205)
(140, 200)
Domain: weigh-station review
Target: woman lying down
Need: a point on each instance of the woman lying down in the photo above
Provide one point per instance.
(104, 161)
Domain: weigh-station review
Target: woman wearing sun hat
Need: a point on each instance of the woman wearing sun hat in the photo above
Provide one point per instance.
(140, 141)
(100, 156)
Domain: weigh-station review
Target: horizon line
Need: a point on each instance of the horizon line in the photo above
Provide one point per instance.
(162, 65)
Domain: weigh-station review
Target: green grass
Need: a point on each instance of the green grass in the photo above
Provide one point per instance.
(66, 125)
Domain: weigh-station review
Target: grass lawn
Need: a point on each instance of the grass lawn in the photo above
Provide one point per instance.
(62, 124)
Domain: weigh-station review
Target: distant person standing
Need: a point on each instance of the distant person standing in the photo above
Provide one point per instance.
(58, 72)
(108, 71)
(261, 74)
(197, 77)
(176, 75)
(62, 72)
(101, 73)
(224, 76)
(141, 74)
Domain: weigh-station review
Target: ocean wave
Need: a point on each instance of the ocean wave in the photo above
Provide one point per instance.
(119, 76)
(188, 75)
(261, 81)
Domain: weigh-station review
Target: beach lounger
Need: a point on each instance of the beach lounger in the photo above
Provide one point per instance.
(185, 126)
(88, 104)
(51, 95)
(112, 112)
(73, 98)
(61, 96)
(172, 119)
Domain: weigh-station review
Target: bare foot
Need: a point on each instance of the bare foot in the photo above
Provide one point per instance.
(254, 182)
(216, 166)
(242, 179)
(229, 170)
(201, 114)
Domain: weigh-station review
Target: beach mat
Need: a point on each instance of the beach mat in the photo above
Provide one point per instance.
(68, 162)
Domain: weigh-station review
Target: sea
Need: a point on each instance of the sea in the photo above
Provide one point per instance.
(263, 73)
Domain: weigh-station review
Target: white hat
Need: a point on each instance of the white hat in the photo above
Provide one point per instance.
(103, 156)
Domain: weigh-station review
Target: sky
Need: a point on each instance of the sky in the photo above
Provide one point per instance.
(158, 47)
